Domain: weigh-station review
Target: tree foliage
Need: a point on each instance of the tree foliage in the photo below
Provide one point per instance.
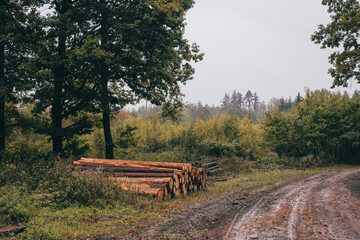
(16, 36)
(94, 56)
(324, 125)
(342, 33)
(146, 55)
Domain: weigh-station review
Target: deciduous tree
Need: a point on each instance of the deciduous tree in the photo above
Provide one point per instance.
(146, 55)
(342, 33)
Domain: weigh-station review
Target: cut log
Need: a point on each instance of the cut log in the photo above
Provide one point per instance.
(125, 168)
(213, 168)
(181, 166)
(144, 175)
(184, 189)
(139, 188)
(209, 165)
(176, 183)
(162, 179)
(177, 192)
(166, 180)
(214, 171)
(14, 229)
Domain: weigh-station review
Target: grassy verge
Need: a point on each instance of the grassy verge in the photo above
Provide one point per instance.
(122, 218)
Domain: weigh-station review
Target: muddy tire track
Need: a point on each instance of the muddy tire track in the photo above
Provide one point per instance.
(319, 207)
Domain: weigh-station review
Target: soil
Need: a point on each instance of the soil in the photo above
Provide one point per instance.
(323, 206)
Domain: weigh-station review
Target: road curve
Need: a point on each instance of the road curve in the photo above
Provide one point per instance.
(319, 207)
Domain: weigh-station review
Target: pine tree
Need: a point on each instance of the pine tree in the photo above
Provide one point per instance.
(61, 72)
(15, 37)
(249, 99)
(225, 103)
(256, 102)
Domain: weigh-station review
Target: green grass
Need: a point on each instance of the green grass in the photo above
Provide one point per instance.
(76, 222)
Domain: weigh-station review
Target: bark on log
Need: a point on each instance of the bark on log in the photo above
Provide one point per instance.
(108, 168)
(124, 167)
(166, 180)
(213, 168)
(161, 179)
(209, 165)
(14, 229)
(180, 166)
(177, 192)
(144, 175)
(140, 188)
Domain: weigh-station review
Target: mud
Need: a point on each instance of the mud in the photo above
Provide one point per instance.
(207, 220)
(323, 206)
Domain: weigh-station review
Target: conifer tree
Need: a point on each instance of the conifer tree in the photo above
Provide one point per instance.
(15, 38)
(62, 72)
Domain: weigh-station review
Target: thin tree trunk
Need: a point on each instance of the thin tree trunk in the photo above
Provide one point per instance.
(109, 145)
(2, 98)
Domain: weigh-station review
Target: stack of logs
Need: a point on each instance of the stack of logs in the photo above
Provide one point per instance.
(161, 179)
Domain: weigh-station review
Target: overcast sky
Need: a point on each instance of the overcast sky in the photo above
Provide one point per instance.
(262, 46)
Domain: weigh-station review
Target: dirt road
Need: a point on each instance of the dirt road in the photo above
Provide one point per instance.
(319, 207)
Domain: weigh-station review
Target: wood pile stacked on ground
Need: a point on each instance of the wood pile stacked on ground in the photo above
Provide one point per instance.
(161, 179)
(211, 168)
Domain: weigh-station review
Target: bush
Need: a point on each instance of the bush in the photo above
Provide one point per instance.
(16, 205)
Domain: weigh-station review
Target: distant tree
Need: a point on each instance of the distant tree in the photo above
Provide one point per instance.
(297, 99)
(248, 99)
(256, 102)
(239, 101)
(282, 105)
(343, 31)
(225, 102)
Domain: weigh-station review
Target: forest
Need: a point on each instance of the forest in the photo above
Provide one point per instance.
(71, 73)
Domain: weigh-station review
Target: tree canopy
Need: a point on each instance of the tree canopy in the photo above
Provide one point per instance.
(342, 33)
(324, 124)
(92, 56)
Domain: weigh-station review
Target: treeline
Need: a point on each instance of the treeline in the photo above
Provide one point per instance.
(324, 125)
(249, 105)
(70, 60)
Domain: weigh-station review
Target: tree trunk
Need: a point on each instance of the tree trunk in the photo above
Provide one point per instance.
(105, 101)
(109, 145)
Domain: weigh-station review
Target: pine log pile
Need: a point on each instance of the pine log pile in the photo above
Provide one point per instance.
(164, 180)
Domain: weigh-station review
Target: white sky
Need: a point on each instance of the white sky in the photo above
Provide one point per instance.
(262, 46)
